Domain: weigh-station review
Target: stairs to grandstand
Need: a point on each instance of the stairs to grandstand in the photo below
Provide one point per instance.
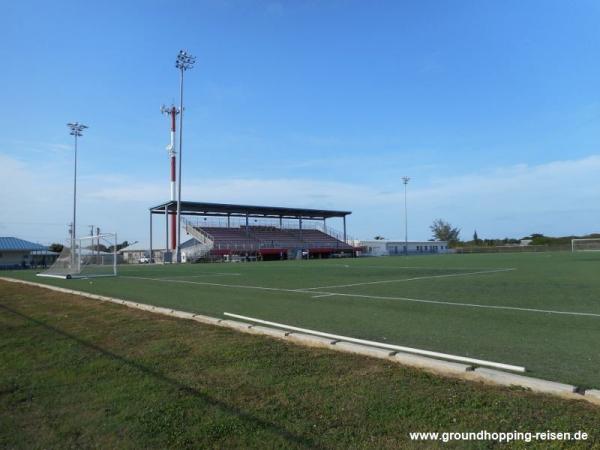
(198, 233)
(205, 242)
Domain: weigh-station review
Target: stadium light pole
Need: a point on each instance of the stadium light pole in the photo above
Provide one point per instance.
(76, 131)
(184, 61)
(405, 180)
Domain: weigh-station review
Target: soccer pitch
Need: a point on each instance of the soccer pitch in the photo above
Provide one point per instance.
(538, 310)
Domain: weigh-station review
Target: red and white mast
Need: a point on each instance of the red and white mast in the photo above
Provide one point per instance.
(172, 111)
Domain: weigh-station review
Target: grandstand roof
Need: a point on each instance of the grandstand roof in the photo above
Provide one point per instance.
(221, 209)
(13, 243)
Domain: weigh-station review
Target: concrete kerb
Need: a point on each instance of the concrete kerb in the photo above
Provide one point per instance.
(273, 332)
(434, 365)
(207, 320)
(440, 367)
(592, 395)
(309, 339)
(242, 326)
(534, 384)
(360, 349)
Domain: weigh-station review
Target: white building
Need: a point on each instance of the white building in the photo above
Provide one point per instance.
(398, 247)
(135, 253)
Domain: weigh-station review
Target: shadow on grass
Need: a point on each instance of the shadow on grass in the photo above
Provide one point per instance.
(287, 435)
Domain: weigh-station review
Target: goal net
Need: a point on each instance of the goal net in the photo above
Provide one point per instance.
(585, 245)
(85, 257)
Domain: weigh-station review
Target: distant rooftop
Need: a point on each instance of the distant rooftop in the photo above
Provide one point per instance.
(138, 247)
(16, 244)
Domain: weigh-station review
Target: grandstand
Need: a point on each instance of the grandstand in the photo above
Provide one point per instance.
(222, 231)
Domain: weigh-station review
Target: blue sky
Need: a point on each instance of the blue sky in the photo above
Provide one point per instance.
(492, 108)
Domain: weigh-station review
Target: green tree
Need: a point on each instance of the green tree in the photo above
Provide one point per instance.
(54, 247)
(443, 231)
(475, 238)
(111, 248)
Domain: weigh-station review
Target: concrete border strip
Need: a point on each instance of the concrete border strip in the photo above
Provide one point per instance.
(242, 326)
(392, 347)
(310, 340)
(433, 365)
(444, 368)
(366, 350)
(535, 384)
(278, 334)
(592, 395)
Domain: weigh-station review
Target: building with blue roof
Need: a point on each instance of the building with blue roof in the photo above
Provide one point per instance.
(18, 253)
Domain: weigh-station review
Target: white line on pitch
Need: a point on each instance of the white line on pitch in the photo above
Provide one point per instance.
(323, 295)
(467, 305)
(208, 283)
(416, 351)
(426, 277)
(418, 267)
(214, 274)
(375, 297)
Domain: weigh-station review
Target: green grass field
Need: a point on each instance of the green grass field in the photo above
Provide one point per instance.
(77, 373)
(538, 310)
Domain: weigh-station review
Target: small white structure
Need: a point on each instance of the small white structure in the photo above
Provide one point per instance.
(398, 247)
(138, 252)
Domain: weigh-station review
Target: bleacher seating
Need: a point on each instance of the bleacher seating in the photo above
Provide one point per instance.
(231, 238)
(263, 238)
(316, 239)
(272, 237)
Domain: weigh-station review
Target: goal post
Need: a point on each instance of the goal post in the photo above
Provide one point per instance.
(91, 256)
(585, 245)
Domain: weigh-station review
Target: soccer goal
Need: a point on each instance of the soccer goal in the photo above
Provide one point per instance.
(86, 257)
(585, 245)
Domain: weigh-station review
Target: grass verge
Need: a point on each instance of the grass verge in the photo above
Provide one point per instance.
(79, 373)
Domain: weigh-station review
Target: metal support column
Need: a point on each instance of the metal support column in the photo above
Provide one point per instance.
(229, 220)
(114, 255)
(166, 228)
(150, 258)
(345, 238)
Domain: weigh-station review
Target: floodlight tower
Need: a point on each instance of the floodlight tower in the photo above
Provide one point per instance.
(184, 61)
(405, 180)
(76, 131)
(172, 111)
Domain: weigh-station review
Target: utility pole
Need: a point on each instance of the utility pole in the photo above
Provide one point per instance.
(405, 180)
(98, 239)
(92, 239)
(76, 131)
(172, 111)
(184, 61)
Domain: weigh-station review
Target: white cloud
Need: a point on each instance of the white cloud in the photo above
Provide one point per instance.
(559, 197)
